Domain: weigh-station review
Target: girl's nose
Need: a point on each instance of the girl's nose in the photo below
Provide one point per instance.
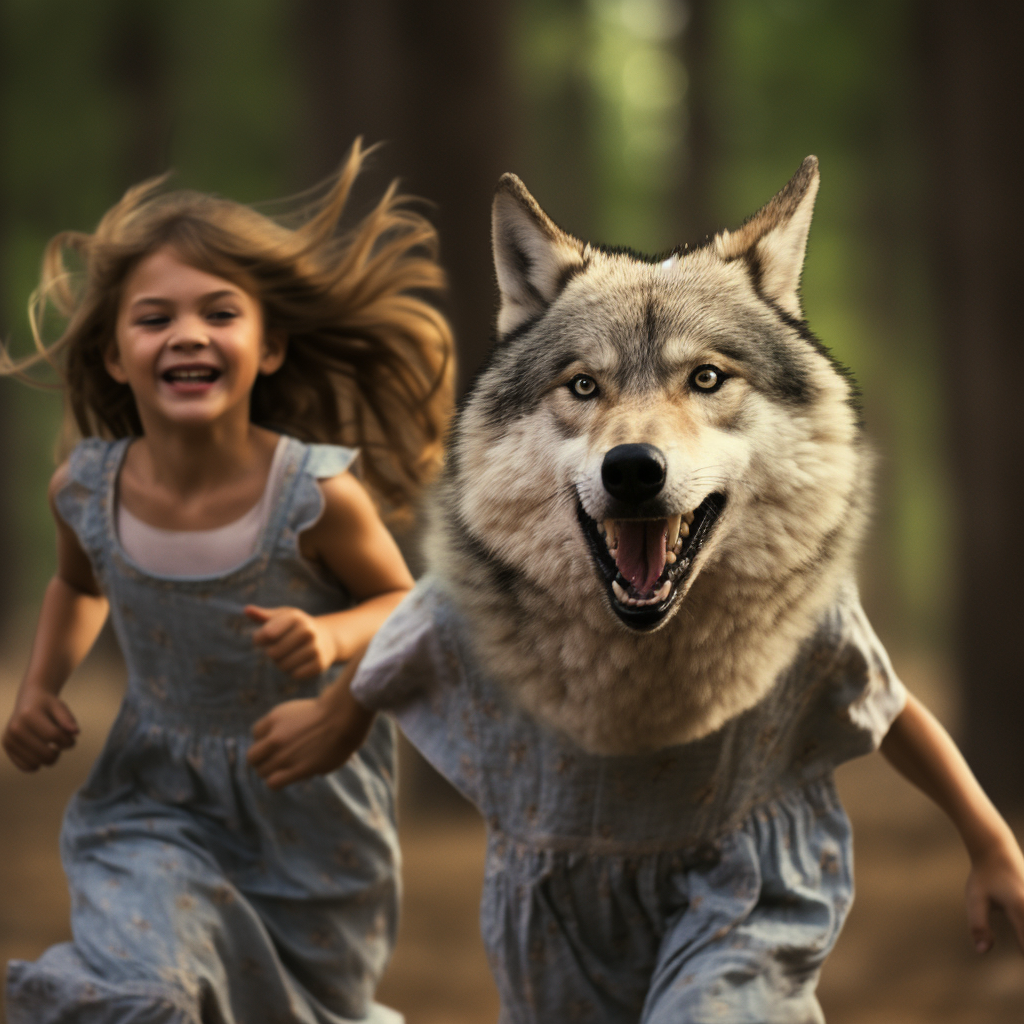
(191, 335)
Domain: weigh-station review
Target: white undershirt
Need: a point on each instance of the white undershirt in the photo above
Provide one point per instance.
(181, 553)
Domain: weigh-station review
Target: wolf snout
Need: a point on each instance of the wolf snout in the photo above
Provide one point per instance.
(633, 473)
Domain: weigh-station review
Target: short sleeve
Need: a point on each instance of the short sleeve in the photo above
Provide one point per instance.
(404, 658)
(311, 462)
(851, 695)
(883, 696)
(327, 460)
(415, 669)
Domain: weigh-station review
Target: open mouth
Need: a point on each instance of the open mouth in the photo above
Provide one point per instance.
(643, 562)
(190, 375)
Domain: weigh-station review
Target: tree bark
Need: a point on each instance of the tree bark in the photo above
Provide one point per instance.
(973, 92)
(429, 79)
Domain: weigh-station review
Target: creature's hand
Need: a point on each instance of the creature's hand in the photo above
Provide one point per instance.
(300, 738)
(41, 726)
(996, 880)
(294, 640)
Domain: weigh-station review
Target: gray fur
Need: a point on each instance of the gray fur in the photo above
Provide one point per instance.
(780, 440)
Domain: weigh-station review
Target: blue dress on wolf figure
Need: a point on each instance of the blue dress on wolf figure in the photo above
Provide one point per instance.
(197, 893)
(704, 882)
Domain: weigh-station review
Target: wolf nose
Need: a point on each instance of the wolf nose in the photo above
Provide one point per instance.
(633, 472)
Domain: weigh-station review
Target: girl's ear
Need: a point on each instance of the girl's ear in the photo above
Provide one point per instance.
(112, 361)
(275, 348)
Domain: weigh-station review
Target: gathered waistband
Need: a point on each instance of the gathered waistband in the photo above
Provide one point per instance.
(818, 796)
(155, 702)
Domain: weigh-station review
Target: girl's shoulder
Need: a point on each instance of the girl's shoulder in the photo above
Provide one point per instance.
(307, 466)
(89, 457)
(81, 484)
(87, 469)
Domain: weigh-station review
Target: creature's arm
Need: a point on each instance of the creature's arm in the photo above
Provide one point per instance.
(311, 736)
(922, 751)
(73, 612)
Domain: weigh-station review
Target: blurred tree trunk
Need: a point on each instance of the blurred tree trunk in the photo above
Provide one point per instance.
(973, 93)
(428, 79)
(138, 71)
(555, 103)
(695, 198)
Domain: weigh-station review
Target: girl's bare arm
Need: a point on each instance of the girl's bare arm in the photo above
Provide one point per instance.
(311, 736)
(350, 540)
(73, 612)
(923, 752)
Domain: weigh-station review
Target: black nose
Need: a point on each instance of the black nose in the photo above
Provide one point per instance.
(633, 472)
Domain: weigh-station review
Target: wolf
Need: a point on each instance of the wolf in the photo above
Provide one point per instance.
(638, 649)
(659, 476)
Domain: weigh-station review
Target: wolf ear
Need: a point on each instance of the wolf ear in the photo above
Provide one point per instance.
(533, 257)
(774, 240)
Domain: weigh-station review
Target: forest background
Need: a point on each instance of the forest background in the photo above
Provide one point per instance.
(643, 123)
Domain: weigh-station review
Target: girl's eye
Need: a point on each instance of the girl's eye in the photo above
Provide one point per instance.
(223, 314)
(583, 386)
(707, 378)
(156, 320)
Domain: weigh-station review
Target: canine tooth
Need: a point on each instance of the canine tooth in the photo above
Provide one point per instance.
(611, 534)
(672, 534)
(662, 594)
(619, 592)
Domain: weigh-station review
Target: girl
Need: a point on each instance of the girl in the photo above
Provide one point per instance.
(209, 353)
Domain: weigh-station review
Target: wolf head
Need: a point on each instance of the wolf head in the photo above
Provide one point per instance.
(657, 484)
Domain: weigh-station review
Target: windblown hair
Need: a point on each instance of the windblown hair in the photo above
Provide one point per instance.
(369, 360)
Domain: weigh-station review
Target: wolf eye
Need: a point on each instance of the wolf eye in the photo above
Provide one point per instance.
(707, 378)
(583, 386)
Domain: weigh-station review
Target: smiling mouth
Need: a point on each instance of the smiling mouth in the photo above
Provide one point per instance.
(643, 562)
(191, 375)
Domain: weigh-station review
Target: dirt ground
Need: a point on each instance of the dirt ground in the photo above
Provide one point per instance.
(904, 957)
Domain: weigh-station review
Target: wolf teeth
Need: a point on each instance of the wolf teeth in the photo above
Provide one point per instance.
(611, 533)
(672, 533)
(641, 602)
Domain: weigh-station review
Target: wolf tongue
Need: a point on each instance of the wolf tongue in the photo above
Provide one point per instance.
(641, 552)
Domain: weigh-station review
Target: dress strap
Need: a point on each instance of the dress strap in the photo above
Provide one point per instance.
(83, 500)
(302, 502)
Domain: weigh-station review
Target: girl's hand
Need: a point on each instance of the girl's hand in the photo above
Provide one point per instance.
(294, 640)
(300, 738)
(996, 880)
(41, 726)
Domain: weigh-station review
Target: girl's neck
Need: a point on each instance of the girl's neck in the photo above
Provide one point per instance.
(185, 461)
(195, 480)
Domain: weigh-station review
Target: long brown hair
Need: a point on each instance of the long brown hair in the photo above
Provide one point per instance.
(369, 360)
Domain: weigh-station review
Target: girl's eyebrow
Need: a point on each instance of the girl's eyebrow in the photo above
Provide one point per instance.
(159, 300)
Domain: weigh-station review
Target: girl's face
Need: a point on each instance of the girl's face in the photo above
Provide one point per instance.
(189, 344)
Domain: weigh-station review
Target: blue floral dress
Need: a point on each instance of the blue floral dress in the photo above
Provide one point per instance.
(197, 893)
(704, 882)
